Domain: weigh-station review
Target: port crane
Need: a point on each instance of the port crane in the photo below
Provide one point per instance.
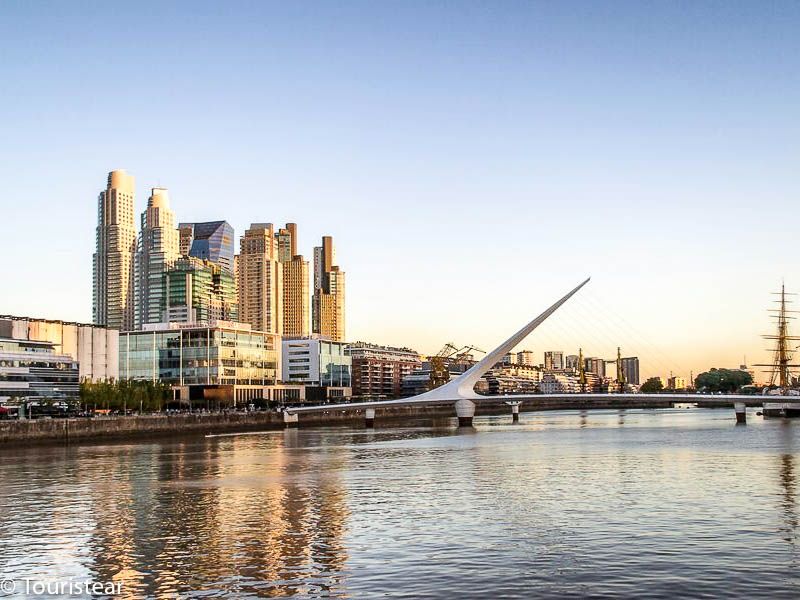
(450, 354)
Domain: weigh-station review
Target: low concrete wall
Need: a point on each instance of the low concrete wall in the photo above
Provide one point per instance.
(101, 428)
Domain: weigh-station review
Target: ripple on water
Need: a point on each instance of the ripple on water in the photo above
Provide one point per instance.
(652, 504)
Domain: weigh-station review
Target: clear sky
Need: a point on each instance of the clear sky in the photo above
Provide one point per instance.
(473, 161)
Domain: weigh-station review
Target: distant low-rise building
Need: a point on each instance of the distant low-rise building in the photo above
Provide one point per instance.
(512, 379)
(677, 383)
(317, 361)
(419, 381)
(94, 348)
(378, 371)
(32, 371)
(559, 383)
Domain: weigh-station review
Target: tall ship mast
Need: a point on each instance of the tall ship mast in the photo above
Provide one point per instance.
(780, 368)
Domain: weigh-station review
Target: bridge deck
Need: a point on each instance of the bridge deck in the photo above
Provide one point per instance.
(700, 399)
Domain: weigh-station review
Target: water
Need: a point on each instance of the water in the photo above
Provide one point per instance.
(611, 503)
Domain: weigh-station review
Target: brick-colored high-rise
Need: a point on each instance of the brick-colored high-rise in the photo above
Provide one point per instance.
(259, 279)
(328, 305)
(295, 283)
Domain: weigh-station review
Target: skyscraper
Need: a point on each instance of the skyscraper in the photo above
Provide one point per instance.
(156, 253)
(212, 241)
(554, 360)
(571, 361)
(328, 306)
(113, 289)
(630, 368)
(526, 357)
(259, 278)
(295, 283)
(595, 365)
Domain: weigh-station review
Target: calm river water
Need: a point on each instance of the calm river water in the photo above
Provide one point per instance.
(610, 503)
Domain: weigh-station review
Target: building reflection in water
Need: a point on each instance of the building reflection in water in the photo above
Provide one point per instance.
(247, 514)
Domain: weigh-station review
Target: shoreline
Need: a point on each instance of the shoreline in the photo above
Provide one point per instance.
(68, 431)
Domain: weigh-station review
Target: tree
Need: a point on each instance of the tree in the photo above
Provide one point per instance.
(722, 380)
(652, 385)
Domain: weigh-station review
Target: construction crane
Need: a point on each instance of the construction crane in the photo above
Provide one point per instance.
(449, 354)
(464, 355)
(620, 372)
(581, 371)
(440, 366)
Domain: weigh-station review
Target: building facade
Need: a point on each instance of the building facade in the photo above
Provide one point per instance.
(630, 369)
(595, 365)
(378, 371)
(510, 358)
(316, 361)
(156, 253)
(32, 371)
(94, 348)
(572, 361)
(513, 379)
(526, 357)
(212, 241)
(115, 251)
(559, 383)
(554, 360)
(328, 307)
(199, 291)
(295, 283)
(677, 383)
(259, 278)
(218, 356)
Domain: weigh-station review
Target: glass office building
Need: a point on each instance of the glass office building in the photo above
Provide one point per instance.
(208, 241)
(199, 291)
(185, 355)
(31, 370)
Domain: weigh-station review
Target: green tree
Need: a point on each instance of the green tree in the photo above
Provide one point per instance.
(722, 380)
(652, 385)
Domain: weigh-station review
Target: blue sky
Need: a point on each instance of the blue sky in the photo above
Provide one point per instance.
(472, 160)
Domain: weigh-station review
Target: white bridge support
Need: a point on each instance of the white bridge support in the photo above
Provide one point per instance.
(740, 408)
(514, 410)
(290, 419)
(465, 411)
(369, 418)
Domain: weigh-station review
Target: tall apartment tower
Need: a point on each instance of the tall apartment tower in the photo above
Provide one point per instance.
(630, 368)
(156, 253)
(113, 261)
(259, 279)
(554, 360)
(328, 305)
(295, 283)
